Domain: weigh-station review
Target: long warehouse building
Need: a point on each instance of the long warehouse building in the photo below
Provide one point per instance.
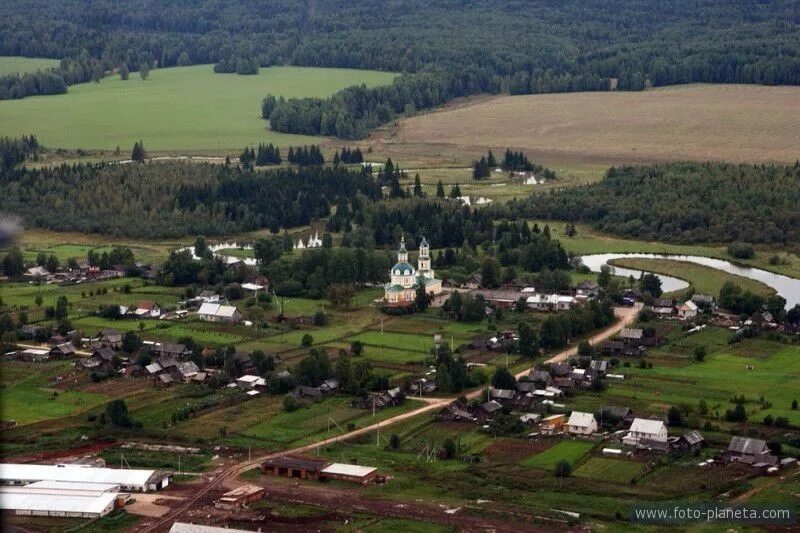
(62, 499)
(128, 480)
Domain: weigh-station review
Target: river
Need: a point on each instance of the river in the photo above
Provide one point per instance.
(785, 286)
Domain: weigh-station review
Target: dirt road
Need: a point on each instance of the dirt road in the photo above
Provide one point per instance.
(625, 315)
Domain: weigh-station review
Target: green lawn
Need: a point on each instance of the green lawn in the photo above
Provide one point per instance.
(87, 296)
(704, 279)
(176, 109)
(614, 470)
(415, 343)
(315, 422)
(588, 241)
(755, 368)
(31, 399)
(242, 253)
(569, 450)
(21, 65)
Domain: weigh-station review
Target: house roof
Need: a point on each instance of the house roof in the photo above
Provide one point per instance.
(491, 406)
(33, 472)
(217, 310)
(580, 419)
(631, 333)
(348, 470)
(645, 425)
(153, 368)
(27, 500)
(616, 411)
(183, 527)
(187, 368)
(540, 375)
(106, 354)
(693, 437)
(747, 446)
(689, 305)
(171, 348)
(505, 394)
(146, 304)
(303, 463)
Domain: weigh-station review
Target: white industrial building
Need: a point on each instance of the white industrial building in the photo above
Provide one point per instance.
(183, 527)
(127, 480)
(62, 499)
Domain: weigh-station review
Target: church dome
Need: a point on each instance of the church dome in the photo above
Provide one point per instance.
(402, 269)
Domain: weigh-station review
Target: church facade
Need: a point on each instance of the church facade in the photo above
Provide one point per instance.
(405, 279)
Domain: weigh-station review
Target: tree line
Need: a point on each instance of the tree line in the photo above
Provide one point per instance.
(512, 161)
(683, 202)
(173, 199)
(14, 152)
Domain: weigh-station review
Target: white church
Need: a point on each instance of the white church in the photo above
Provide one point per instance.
(313, 242)
(402, 289)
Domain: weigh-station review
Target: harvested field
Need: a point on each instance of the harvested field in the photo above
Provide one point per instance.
(697, 122)
(513, 450)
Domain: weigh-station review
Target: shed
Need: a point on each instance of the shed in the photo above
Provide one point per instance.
(346, 472)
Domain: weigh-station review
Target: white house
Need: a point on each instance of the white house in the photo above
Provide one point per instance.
(581, 423)
(213, 312)
(644, 432)
(688, 310)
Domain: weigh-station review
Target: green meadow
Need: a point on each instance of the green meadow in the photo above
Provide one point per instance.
(31, 398)
(614, 470)
(571, 451)
(175, 109)
(21, 65)
(704, 279)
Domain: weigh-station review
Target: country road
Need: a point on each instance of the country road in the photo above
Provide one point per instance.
(625, 316)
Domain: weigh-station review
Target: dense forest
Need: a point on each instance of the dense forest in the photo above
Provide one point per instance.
(683, 202)
(445, 49)
(173, 199)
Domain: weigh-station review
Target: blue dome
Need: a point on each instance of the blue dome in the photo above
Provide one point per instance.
(402, 269)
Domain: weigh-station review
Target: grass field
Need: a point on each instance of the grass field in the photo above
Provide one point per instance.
(176, 109)
(614, 470)
(32, 398)
(757, 368)
(589, 241)
(21, 65)
(700, 122)
(571, 451)
(704, 279)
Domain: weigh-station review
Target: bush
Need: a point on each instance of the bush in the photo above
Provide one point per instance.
(320, 318)
(700, 353)
(291, 404)
(449, 449)
(394, 441)
(562, 469)
(307, 340)
(741, 250)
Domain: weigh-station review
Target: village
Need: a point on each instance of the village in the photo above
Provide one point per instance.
(557, 400)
